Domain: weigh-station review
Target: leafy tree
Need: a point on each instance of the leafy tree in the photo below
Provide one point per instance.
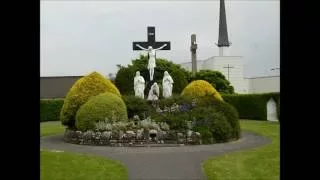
(125, 75)
(216, 79)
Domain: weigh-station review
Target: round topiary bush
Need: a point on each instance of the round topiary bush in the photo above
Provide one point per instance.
(215, 120)
(86, 87)
(231, 114)
(106, 106)
(200, 88)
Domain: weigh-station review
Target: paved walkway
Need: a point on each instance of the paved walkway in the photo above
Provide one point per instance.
(159, 163)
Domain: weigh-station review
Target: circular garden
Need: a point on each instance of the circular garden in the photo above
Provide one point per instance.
(95, 113)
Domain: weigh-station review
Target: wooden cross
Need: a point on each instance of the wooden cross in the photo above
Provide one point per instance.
(151, 41)
(228, 69)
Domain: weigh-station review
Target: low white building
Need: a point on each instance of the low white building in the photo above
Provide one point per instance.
(264, 84)
(230, 66)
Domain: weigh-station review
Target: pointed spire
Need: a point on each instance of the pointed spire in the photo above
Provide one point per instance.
(223, 40)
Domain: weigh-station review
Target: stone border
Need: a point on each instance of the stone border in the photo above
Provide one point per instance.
(131, 138)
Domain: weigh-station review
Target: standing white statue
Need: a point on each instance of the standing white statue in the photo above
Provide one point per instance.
(152, 58)
(154, 92)
(139, 85)
(167, 85)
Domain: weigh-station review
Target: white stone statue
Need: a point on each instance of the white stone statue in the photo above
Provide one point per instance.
(154, 92)
(139, 85)
(167, 85)
(152, 58)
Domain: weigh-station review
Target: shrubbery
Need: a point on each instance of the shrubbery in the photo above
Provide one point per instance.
(226, 109)
(124, 80)
(216, 79)
(50, 109)
(204, 112)
(252, 106)
(136, 106)
(99, 108)
(206, 134)
(217, 123)
(81, 91)
(180, 81)
(200, 88)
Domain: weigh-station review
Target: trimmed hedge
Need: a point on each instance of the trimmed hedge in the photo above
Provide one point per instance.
(98, 108)
(50, 109)
(81, 91)
(249, 106)
(252, 106)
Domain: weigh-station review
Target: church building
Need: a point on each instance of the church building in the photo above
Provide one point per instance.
(231, 66)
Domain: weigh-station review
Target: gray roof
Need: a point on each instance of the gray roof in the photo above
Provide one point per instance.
(223, 32)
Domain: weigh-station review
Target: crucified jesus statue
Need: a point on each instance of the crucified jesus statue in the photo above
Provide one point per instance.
(152, 58)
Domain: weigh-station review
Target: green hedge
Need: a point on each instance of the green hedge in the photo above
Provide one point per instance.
(50, 109)
(252, 106)
(249, 106)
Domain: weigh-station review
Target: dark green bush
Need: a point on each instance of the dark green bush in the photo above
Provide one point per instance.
(226, 109)
(175, 99)
(216, 121)
(220, 128)
(216, 79)
(251, 106)
(50, 109)
(176, 121)
(136, 106)
(205, 111)
(124, 80)
(206, 134)
(180, 81)
(98, 108)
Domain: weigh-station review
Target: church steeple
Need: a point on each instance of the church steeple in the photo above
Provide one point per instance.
(223, 40)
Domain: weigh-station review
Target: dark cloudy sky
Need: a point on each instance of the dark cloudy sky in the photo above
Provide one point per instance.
(78, 37)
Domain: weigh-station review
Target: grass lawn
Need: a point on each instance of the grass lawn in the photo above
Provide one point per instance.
(73, 166)
(51, 128)
(261, 163)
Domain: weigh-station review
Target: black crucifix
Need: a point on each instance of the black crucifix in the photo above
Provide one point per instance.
(228, 69)
(151, 41)
(151, 46)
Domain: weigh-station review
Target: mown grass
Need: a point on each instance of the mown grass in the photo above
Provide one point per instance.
(262, 163)
(72, 166)
(56, 165)
(51, 128)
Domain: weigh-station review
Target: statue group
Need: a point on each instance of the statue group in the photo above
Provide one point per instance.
(167, 85)
(151, 46)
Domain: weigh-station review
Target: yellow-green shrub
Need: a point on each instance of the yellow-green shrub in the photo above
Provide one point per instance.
(85, 88)
(98, 108)
(200, 88)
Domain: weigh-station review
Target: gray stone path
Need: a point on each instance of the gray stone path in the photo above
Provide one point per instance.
(159, 163)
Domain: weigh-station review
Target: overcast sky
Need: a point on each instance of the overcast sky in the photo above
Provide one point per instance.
(78, 37)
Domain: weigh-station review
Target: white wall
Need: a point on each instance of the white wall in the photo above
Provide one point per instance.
(264, 84)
